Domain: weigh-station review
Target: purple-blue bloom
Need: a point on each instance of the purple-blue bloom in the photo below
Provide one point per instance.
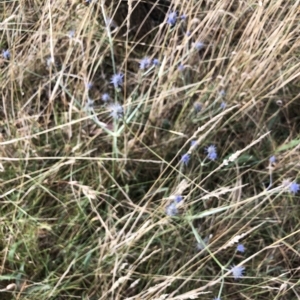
(193, 143)
(185, 158)
(117, 80)
(6, 54)
(237, 271)
(240, 248)
(199, 46)
(89, 85)
(211, 152)
(171, 210)
(156, 62)
(105, 97)
(223, 105)
(188, 33)
(183, 17)
(178, 198)
(116, 110)
(197, 107)
(272, 159)
(217, 298)
(181, 67)
(294, 187)
(145, 63)
(172, 18)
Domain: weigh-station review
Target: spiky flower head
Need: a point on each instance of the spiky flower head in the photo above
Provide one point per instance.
(178, 198)
(105, 97)
(117, 80)
(171, 210)
(272, 159)
(294, 187)
(116, 110)
(211, 152)
(240, 248)
(172, 18)
(237, 271)
(156, 62)
(6, 54)
(185, 158)
(199, 46)
(223, 105)
(145, 63)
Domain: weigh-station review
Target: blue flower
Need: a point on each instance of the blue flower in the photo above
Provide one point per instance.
(185, 158)
(178, 198)
(71, 33)
(105, 97)
(272, 159)
(188, 33)
(197, 107)
(211, 152)
(145, 63)
(117, 80)
(193, 143)
(6, 54)
(172, 18)
(240, 248)
(181, 67)
(237, 271)
(183, 17)
(199, 46)
(217, 298)
(171, 210)
(294, 187)
(116, 110)
(89, 85)
(156, 62)
(223, 105)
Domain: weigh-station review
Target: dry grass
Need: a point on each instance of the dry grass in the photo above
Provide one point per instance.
(83, 196)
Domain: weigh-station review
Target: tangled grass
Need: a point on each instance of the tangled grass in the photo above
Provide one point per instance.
(149, 150)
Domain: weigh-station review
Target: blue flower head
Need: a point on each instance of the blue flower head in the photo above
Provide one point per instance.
(217, 298)
(197, 107)
(71, 33)
(171, 210)
(172, 18)
(105, 97)
(6, 54)
(237, 271)
(183, 17)
(181, 67)
(117, 80)
(211, 152)
(116, 110)
(185, 158)
(178, 198)
(89, 85)
(145, 63)
(294, 187)
(223, 105)
(272, 159)
(193, 143)
(199, 46)
(240, 248)
(156, 62)
(188, 33)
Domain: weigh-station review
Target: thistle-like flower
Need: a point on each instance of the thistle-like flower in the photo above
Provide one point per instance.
(294, 187)
(117, 80)
(156, 62)
(237, 271)
(240, 248)
(185, 158)
(145, 63)
(116, 110)
(172, 18)
(178, 198)
(199, 46)
(211, 152)
(171, 210)
(6, 54)
(105, 97)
